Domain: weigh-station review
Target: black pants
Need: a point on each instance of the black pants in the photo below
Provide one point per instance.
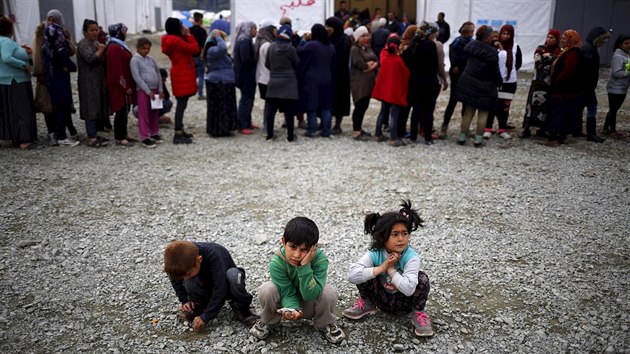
(120, 123)
(423, 109)
(237, 293)
(452, 102)
(182, 103)
(502, 114)
(272, 105)
(63, 119)
(403, 116)
(360, 107)
(614, 102)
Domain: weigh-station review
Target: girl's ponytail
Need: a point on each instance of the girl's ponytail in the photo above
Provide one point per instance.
(370, 223)
(411, 215)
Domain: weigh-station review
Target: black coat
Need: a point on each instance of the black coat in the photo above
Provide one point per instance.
(341, 100)
(478, 84)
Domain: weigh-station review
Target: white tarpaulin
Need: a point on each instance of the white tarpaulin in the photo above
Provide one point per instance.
(303, 13)
(26, 16)
(531, 19)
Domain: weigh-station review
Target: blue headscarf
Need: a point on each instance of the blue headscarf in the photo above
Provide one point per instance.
(285, 33)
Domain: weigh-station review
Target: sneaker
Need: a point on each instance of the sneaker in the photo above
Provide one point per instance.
(359, 309)
(462, 138)
(247, 318)
(487, 134)
(189, 136)
(422, 324)
(52, 139)
(68, 142)
(505, 135)
(260, 330)
(478, 141)
(181, 139)
(148, 143)
(157, 139)
(333, 333)
(380, 138)
(200, 98)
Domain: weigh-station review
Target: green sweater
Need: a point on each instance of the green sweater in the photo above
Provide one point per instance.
(297, 284)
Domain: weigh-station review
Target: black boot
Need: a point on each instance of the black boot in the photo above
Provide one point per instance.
(591, 134)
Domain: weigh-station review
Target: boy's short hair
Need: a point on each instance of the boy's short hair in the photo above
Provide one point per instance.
(142, 41)
(180, 257)
(197, 16)
(301, 231)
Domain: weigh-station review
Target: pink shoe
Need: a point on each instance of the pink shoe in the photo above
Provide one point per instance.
(422, 323)
(246, 131)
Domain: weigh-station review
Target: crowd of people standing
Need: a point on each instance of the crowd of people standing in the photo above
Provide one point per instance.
(311, 78)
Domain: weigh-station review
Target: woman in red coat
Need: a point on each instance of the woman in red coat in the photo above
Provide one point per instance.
(391, 88)
(180, 46)
(120, 85)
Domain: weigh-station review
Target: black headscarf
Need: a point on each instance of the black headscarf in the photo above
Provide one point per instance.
(319, 33)
(173, 26)
(337, 26)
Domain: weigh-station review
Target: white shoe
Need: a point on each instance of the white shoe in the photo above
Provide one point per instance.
(487, 135)
(505, 135)
(68, 142)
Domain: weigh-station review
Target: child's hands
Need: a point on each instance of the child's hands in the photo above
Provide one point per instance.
(187, 307)
(309, 256)
(198, 324)
(291, 315)
(161, 95)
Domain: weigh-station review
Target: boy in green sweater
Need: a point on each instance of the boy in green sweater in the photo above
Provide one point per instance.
(298, 286)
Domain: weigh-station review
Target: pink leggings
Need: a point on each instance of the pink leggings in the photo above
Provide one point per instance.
(148, 119)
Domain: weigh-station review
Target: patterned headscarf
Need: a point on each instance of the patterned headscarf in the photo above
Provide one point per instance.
(573, 40)
(285, 33)
(118, 31)
(425, 30)
(54, 43)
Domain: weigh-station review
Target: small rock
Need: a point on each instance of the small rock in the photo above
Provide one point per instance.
(540, 333)
(464, 330)
(140, 260)
(260, 239)
(610, 349)
(399, 347)
(26, 243)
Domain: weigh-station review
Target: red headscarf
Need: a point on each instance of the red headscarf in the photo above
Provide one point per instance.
(553, 49)
(507, 46)
(573, 40)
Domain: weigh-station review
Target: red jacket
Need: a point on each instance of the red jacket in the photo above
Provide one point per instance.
(392, 81)
(118, 77)
(183, 73)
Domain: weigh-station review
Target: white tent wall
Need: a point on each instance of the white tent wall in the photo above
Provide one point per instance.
(27, 17)
(531, 19)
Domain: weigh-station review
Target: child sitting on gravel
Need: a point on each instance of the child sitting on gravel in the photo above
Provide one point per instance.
(388, 275)
(204, 276)
(298, 286)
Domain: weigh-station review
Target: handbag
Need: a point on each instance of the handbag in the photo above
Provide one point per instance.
(42, 99)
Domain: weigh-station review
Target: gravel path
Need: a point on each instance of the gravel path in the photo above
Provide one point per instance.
(526, 246)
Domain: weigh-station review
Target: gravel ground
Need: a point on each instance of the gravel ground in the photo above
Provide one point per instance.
(526, 246)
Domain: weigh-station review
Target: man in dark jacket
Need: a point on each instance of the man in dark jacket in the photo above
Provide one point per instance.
(379, 37)
(200, 35)
(445, 28)
(393, 25)
(590, 54)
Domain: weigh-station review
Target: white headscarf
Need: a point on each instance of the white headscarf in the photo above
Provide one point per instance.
(244, 30)
(57, 15)
(359, 32)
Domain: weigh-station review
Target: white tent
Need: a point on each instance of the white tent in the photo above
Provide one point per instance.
(531, 18)
(138, 15)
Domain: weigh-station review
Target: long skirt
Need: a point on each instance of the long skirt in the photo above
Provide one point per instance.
(221, 112)
(564, 112)
(17, 113)
(537, 105)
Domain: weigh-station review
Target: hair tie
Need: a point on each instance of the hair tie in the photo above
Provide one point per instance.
(404, 213)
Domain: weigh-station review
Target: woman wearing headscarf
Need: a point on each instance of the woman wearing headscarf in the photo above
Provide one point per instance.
(363, 67)
(245, 70)
(477, 87)
(220, 86)
(566, 94)
(57, 68)
(17, 112)
(341, 99)
(618, 83)
(265, 36)
(403, 115)
(120, 85)
(282, 92)
(510, 60)
(181, 46)
(315, 75)
(421, 58)
(91, 82)
(537, 100)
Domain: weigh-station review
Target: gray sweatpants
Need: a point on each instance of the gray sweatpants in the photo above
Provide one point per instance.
(322, 310)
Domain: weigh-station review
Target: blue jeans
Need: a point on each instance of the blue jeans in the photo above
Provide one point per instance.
(200, 68)
(393, 111)
(245, 106)
(326, 122)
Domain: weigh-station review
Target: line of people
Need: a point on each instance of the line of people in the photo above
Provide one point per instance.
(308, 77)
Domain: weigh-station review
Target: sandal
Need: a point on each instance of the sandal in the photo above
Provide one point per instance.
(124, 142)
(102, 139)
(95, 143)
(130, 139)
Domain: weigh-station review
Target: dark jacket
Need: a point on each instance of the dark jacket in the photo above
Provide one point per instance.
(282, 62)
(315, 73)
(379, 39)
(219, 64)
(567, 78)
(200, 35)
(245, 65)
(590, 56)
(478, 84)
(216, 260)
(457, 55)
(444, 32)
(422, 60)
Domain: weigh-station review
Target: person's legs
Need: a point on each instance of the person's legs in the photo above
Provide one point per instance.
(245, 105)
(144, 107)
(428, 110)
(322, 310)
(70, 124)
(90, 128)
(591, 123)
(450, 107)
(360, 107)
(415, 119)
(269, 299)
(380, 120)
(60, 121)
(120, 124)
(199, 67)
(403, 116)
(311, 119)
(182, 103)
(167, 105)
(271, 108)
(615, 101)
(393, 122)
(326, 122)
